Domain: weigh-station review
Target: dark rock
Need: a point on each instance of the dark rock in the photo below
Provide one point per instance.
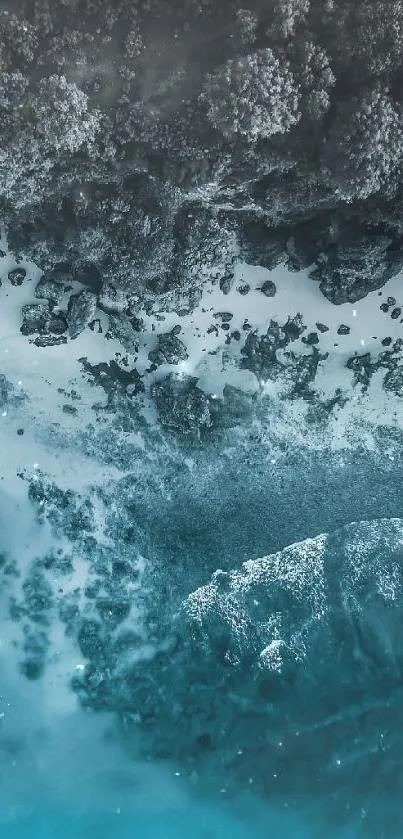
(170, 350)
(393, 381)
(89, 275)
(111, 300)
(51, 290)
(243, 289)
(81, 310)
(303, 372)
(17, 276)
(299, 253)
(225, 317)
(182, 405)
(384, 307)
(343, 329)
(90, 639)
(50, 340)
(352, 268)
(268, 288)
(396, 313)
(261, 245)
(56, 324)
(95, 325)
(294, 328)
(113, 610)
(386, 342)
(35, 317)
(121, 328)
(391, 301)
(362, 367)
(311, 339)
(112, 377)
(322, 327)
(33, 669)
(227, 281)
(260, 352)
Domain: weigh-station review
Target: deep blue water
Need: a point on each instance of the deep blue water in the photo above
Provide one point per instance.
(61, 776)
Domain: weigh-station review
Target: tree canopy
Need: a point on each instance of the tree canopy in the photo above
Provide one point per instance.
(286, 112)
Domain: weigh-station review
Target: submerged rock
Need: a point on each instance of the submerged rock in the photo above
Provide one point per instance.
(182, 405)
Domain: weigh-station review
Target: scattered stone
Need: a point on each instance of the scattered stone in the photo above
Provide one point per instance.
(17, 276)
(268, 288)
(69, 409)
(243, 289)
(20, 432)
(225, 327)
(343, 329)
(81, 310)
(396, 313)
(391, 301)
(322, 327)
(384, 307)
(386, 342)
(236, 335)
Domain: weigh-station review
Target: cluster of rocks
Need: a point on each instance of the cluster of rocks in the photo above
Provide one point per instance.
(391, 305)
(47, 320)
(246, 670)
(364, 367)
(182, 405)
(260, 352)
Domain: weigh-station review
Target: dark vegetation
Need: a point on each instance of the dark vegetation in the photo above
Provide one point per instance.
(141, 140)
